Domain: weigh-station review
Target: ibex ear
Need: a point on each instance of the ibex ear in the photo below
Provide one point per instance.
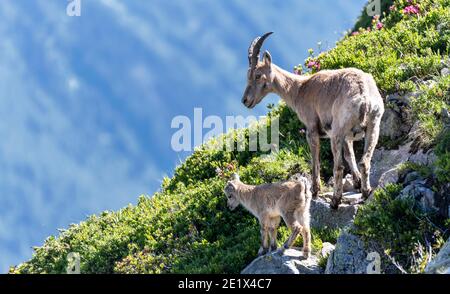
(230, 187)
(267, 58)
(235, 177)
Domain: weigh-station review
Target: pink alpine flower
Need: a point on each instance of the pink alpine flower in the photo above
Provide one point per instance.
(412, 9)
(314, 64)
(379, 25)
(355, 33)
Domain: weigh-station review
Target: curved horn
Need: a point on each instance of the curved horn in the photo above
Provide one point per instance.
(255, 48)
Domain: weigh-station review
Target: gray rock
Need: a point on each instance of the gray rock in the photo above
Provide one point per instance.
(385, 160)
(430, 83)
(396, 121)
(322, 216)
(349, 256)
(411, 177)
(349, 198)
(348, 183)
(327, 249)
(385, 163)
(389, 177)
(423, 158)
(441, 263)
(352, 198)
(401, 99)
(290, 261)
(390, 123)
(445, 72)
(445, 115)
(421, 194)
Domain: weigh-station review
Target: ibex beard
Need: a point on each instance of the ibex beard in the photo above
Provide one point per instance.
(290, 200)
(344, 105)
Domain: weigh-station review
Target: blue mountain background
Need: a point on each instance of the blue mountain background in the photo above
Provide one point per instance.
(86, 103)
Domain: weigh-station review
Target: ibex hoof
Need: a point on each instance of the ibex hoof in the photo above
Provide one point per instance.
(335, 203)
(262, 251)
(366, 193)
(306, 254)
(315, 194)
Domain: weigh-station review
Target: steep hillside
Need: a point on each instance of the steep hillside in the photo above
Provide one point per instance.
(187, 228)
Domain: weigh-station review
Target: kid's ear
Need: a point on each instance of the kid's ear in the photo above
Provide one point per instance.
(267, 58)
(235, 177)
(230, 187)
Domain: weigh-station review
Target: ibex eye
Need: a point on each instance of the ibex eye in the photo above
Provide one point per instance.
(258, 76)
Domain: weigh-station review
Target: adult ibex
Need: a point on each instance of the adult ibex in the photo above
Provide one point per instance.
(343, 105)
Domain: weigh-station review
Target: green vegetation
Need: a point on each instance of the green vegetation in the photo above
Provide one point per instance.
(365, 21)
(186, 226)
(400, 228)
(442, 151)
(405, 55)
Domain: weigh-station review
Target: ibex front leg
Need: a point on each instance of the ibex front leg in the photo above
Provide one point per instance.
(314, 145)
(372, 133)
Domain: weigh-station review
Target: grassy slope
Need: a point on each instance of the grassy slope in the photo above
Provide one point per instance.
(186, 227)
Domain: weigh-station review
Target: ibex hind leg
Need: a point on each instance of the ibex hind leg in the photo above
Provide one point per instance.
(274, 223)
(306, 234)
(349, 156)
(314, 145)
(295, 228)
(371, 140)
(338, 171)
(264, 240)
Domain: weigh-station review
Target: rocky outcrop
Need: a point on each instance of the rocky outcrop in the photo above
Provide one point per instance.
(441, 263)
(347, 183)
(386, 163)
(389, 177)
(421, 194)
(289, 261)
(421, 190)
(322, 216)
(327, 249)
(349, 256)
(387, 160)
(396, 122)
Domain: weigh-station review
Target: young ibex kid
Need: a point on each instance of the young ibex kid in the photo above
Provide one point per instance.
(289, 199)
